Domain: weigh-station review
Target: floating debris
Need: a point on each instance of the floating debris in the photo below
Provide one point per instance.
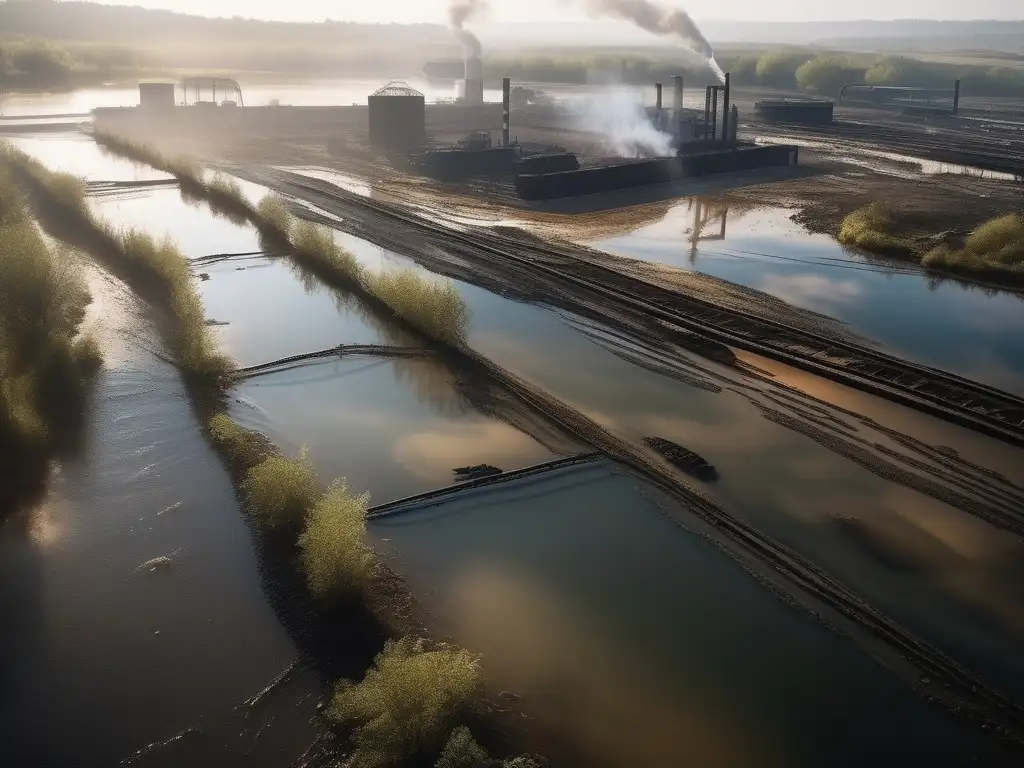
(164, 561)
(171, 508)
(475, 472)
(683, 458)
(217, 322)
(278, 681)
(204, 276)
(150, 748)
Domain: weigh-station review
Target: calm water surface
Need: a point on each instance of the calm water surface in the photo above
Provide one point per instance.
(939, 323)
(656, 650)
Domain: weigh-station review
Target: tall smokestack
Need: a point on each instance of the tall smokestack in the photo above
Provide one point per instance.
(677, 105)
(506, 93)
(657, 105)
(725, 109)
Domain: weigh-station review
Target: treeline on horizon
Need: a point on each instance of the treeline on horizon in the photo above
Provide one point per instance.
(53, 45)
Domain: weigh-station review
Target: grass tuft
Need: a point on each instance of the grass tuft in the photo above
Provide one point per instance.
(873, 229)
(242, 448)
(995, 248)
(273, 212)
(332, 551)
(280, 490)
(407, 704)
(433, 307)
(317, 246)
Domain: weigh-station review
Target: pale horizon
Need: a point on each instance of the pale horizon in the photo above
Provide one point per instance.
(705, 11)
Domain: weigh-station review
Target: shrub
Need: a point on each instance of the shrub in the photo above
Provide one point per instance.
(273, 211)
(332, 549)
(407, 704)
(317, 245)
(462, 751)
(872, 228)
(996, 246)
(279, 490)
(778, 68)
(828, 74)
(243, 448)
(433, 307)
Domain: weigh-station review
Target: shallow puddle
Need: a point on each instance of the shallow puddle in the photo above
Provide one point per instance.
(945, 324)
(644, 642)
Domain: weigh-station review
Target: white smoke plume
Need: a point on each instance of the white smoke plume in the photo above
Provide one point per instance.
(621, 118)
(461, 11)
(660, 20)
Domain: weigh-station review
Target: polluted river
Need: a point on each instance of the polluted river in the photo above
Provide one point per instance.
(669, 546)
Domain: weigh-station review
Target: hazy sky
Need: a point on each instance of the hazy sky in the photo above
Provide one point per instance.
(551, 10)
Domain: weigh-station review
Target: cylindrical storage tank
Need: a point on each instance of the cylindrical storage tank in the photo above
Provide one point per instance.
(156, 95)
(398, 117)
(805, 111)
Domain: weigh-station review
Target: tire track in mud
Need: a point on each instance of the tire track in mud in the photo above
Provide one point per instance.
(608, 288)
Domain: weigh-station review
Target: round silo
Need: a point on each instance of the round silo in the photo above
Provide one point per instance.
(398, 117)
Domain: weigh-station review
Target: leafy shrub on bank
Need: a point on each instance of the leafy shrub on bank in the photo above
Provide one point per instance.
(273, 212)
(317, 245)
(432, 306)
(462, 751)
(873, 228)
(280, 490)
(332, 550)
(407, 704)
(995, 246)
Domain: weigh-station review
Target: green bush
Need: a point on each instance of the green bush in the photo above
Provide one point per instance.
(407, 704)
(279, 490)
(778, 68)
(827, 74)
(997, 246)
(332, 549)
(274, 214)
(873, 228)
(433, 307)
(462, 751)
(317, 246)
(243, 448)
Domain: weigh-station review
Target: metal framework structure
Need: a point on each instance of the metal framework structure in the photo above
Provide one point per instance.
(200, 85)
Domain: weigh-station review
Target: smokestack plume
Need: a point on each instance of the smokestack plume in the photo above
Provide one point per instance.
(659, 20)
(459, 12)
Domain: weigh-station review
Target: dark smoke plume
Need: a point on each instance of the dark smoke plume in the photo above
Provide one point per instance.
(657, 19)
(461, 11)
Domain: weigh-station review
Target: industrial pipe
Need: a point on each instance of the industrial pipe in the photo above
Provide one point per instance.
(506, 90)
(725, 108)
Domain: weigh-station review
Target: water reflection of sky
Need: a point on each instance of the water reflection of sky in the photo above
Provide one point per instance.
(672, 653)
(392, 427)
(78, 154)
(945, 325)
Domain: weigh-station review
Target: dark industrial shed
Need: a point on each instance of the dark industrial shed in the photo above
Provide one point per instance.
(398, 117)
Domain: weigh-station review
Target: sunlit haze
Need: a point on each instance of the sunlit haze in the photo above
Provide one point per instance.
(552, 10)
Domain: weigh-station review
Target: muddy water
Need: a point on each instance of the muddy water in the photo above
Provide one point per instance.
(102, 655)
(643, 643)
(948, 576)
(939, 323)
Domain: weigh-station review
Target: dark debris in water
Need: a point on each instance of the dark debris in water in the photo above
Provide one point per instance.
(683, 458)
(475, 472)
(157, 745)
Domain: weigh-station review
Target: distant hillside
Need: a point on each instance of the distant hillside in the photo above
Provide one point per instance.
(165, 38)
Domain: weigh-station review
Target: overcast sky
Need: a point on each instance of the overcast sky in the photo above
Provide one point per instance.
(552, 10)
